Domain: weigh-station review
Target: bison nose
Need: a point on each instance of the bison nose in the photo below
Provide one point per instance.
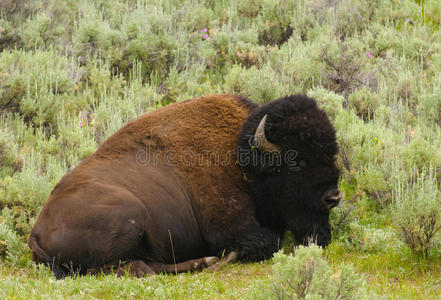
(332, 198)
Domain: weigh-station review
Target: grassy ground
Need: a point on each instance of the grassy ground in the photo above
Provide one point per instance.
(392, 275)
(73, 72)
(230, 282)
(388, 277)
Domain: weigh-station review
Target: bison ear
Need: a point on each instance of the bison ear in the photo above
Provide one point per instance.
(260, 140)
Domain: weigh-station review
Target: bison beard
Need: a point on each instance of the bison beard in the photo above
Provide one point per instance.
(176, 187)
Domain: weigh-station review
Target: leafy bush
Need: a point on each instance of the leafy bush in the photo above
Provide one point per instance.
(12, 8)
(114, 109)
(364, 102)
(275, 17)
(9, 37)
(420, 153)
(8, 154)
(12, 247)
(416, 212)
(261, 85)
(39, 98)
(432, 8)
(344, 68)
(430, 105)
(307, 275)
(249, 9)
(35, 32)
(372, 179)
(352, 16)
(95, 37)
(25, 193)
(331, 102)
(367, 238)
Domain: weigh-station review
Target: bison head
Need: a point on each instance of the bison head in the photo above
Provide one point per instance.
(287, 150)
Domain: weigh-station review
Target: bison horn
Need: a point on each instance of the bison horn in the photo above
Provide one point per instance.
(260, 140)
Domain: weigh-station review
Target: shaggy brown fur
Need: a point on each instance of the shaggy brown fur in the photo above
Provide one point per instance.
(165, 192)
(202, 133)
(144, 173)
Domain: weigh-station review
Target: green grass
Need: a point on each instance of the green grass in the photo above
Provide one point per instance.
(390, 274)
(232, 281)
(393, 274)
(73, 72)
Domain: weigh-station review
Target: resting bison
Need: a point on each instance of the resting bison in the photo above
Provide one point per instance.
(174, 188)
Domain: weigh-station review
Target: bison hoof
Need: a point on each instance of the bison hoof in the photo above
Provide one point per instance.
(203, 263)
(231, 257)
(210, 260)
(196, 266)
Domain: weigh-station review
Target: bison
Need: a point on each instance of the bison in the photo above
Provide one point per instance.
(178, 187)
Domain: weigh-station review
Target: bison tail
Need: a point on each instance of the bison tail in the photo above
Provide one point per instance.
(40, 256)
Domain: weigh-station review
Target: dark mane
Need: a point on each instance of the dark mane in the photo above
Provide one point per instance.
(308, 147)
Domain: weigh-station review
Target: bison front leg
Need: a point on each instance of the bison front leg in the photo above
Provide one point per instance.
(257, 244)
(253, 243)
(140, 268)
(232, 257)
(191, 265)
(136, 268)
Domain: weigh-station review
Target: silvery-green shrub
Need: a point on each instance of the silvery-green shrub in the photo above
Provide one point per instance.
(307, 275)
(12, 249)
(416, 212)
